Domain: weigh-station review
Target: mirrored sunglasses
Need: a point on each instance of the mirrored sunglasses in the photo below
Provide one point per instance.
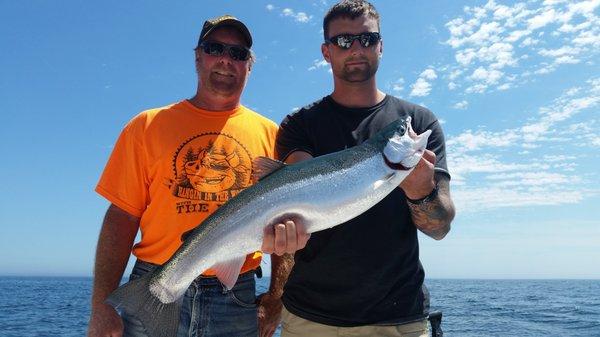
(237, 53)
(345, 41)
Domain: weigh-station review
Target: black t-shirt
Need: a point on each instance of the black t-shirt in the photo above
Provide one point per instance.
(366, 271)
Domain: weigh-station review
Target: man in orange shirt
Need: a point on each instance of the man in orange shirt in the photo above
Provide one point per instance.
(172, 167)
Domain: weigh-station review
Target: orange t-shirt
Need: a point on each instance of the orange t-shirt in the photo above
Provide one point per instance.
(173, 166)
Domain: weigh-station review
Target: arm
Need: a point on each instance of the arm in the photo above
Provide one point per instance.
(269, 310)
(114, 246)
(432, 217)
(283, 246)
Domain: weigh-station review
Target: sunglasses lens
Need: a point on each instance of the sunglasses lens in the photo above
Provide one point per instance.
(368, 39)
(236, 53)
(343, 41)
(365, 40)
(239, 53)
(213, 48)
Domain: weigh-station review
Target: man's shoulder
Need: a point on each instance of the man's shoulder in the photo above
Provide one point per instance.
(147, 116)
(310, 110)
(406, 105)
(419, 113)
(259, 118)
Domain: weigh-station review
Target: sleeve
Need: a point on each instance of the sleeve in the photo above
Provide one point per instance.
(124, 180)
(293, 136)
(436, 142)
(271, 132)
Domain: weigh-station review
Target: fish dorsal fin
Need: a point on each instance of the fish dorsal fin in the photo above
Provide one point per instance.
(228, 271)
(263, 166)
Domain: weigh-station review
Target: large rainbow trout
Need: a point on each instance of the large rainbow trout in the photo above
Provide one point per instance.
(321, 193)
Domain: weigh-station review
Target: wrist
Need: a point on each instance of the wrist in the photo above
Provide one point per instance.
(432, 195)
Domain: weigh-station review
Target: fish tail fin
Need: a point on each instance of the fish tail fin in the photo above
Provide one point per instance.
(134, 298)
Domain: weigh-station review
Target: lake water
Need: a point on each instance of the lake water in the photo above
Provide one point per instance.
(55, 306)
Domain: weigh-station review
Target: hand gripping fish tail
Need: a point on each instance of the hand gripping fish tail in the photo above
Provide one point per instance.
(322, 192)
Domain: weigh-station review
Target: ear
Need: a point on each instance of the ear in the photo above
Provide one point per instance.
(325, 52)
(196, 55)
(380, 48)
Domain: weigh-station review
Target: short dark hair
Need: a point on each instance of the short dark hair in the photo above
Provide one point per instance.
(350, 9)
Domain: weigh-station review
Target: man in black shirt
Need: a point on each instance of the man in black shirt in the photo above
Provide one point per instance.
(362, 278)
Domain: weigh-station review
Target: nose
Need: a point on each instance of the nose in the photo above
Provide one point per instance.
(225, 58)
(355, 47)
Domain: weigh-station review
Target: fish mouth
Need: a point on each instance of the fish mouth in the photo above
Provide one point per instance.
(403, 152)
(395, 166)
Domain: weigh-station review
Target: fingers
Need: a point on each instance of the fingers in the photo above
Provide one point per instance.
(268, 245)
(429, 156)
(292, 239)
(284, 238)
(280, 239)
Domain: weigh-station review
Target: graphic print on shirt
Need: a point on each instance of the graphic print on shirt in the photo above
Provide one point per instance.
(209, 168)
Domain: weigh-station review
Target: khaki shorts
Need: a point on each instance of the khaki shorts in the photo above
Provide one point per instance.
(294, 326)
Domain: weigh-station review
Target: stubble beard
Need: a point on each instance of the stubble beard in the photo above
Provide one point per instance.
(224, 87)
(357, 74)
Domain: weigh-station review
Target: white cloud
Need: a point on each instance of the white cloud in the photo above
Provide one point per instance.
(542, 19)
(318, 64)
(487, 76)
(485, 198)
(297, 16)
(486, 174)
(422, 87)
(566, 50)
(568, 59)
(429, 74)
(497, 36)
(529, 42)
(504, 86)
(461, 105)
(399, 85)
(270, 7)
(530, 179)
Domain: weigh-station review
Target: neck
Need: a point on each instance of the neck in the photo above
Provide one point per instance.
(214, 102)
(357, 95)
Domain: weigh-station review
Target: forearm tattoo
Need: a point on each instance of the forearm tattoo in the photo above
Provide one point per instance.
(433, 217)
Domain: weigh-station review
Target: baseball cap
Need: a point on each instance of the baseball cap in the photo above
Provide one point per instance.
(225, 21)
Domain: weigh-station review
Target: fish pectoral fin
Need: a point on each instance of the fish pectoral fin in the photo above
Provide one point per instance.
(228, 271)
(263, 166)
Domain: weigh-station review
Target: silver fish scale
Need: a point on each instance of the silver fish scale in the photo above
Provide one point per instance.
(324, 192)
(322, 201)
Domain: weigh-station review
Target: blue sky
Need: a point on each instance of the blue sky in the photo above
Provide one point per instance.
(515, 84)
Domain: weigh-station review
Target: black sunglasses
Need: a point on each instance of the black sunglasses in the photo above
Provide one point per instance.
(345, 41)
(237, 53)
